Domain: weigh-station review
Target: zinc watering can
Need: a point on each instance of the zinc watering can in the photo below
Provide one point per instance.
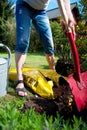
(4, 69)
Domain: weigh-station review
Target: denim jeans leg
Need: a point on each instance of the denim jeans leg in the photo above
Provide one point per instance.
(23, 25)
(43, 28)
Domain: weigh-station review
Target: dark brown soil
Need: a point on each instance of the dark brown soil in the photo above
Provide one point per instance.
(64, 68)
(63, 103)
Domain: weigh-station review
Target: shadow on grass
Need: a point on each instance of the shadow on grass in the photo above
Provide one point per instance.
(44, 66)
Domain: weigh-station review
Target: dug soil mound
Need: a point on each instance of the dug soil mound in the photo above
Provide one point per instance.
(63, 103)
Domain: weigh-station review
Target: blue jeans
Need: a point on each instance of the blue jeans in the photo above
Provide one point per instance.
(25, 16)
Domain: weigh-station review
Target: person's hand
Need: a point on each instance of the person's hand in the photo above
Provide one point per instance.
(70, 26)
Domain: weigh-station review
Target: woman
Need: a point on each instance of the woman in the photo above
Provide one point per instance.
(28, 12)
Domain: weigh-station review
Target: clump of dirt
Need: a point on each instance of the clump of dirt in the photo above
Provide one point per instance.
(64, 68)
(63, 103)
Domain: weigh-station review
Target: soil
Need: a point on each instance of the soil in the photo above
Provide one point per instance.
(63, 103)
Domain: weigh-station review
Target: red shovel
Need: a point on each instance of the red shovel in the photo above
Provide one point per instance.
(77, 81)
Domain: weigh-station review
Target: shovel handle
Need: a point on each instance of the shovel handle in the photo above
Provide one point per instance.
(71, 41)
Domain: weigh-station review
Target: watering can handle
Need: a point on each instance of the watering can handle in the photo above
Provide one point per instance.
(9, 53)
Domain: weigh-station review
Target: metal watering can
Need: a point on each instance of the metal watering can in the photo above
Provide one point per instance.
(4, 69)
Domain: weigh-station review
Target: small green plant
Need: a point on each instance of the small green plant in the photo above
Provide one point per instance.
(11, 118)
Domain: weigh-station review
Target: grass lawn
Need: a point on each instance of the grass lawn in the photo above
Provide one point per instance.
(12, 119)
(34, 61)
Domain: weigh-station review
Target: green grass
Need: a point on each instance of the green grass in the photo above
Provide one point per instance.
(33, 60)
(11, 116)
(36, 60)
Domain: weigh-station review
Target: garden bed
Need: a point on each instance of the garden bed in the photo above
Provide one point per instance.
(63, 103)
